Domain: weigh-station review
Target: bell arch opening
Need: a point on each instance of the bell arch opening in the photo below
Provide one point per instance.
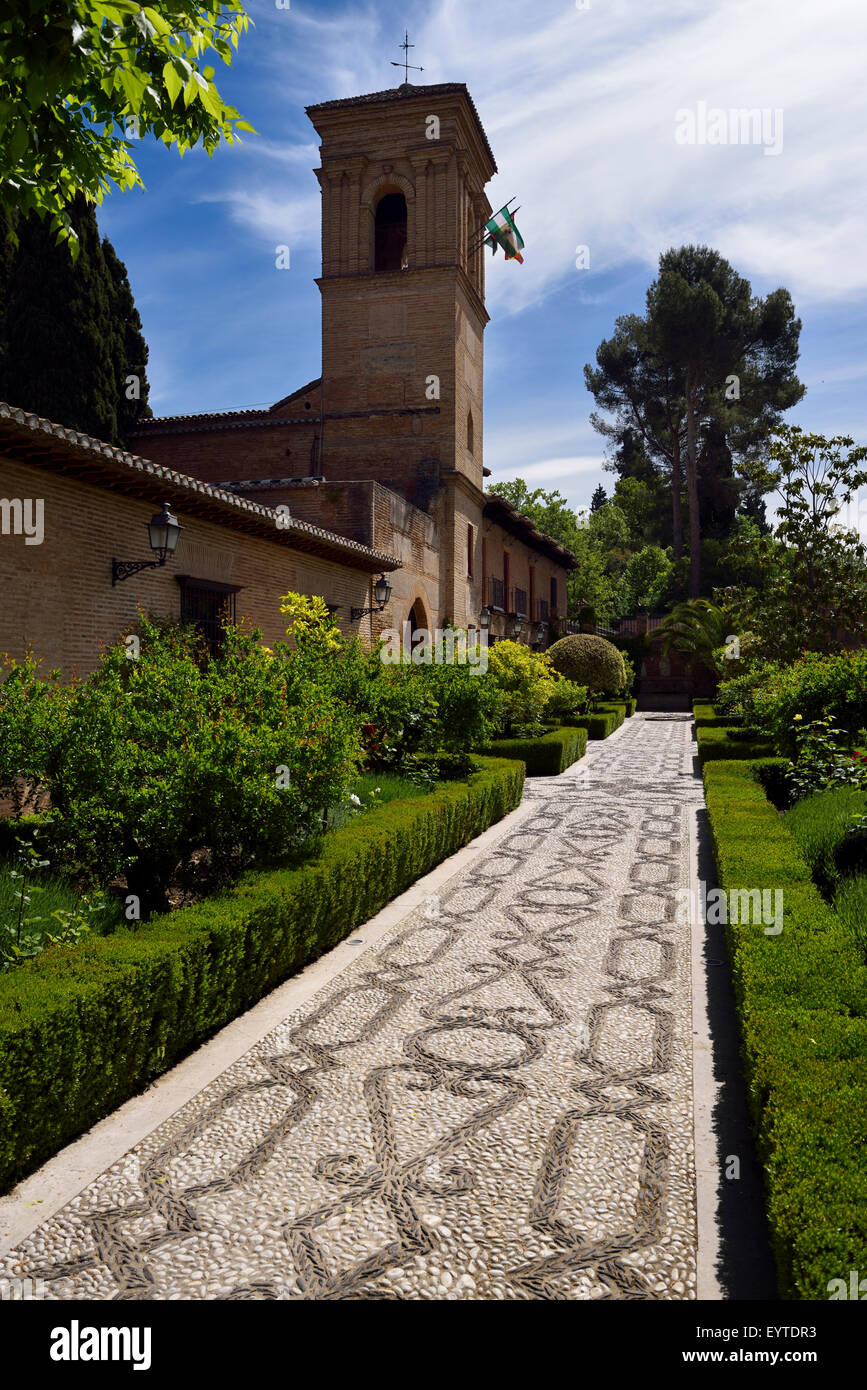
(389, 244)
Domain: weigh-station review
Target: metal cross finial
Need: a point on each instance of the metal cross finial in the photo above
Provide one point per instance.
(406, 64)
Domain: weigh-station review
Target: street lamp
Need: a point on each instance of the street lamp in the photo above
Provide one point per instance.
(381, 595)
(164, 532)
(517, 625)
(485, 618)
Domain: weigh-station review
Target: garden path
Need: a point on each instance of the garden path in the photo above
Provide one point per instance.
(493, 1100)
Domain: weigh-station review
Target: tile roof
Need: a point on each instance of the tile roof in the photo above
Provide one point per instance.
(408, 89)
(15, 424)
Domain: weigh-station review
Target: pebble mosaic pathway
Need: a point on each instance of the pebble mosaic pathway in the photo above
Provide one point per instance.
(494, 1101)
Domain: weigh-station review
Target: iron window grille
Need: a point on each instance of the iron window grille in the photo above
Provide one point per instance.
(208, 606)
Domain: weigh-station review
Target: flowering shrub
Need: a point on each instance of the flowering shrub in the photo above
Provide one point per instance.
(822, 759)
(772, 694)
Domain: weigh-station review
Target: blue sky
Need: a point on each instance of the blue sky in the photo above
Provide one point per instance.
(579, 105)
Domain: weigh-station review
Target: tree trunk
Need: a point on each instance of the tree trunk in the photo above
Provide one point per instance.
(692, 496)
(676, 506)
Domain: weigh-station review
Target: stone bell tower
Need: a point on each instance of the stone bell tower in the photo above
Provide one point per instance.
(403, 176)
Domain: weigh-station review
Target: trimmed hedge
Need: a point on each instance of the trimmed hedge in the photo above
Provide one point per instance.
(802, 1007)
(720, 737)
(546, 756)
(597, 725)
(706, 717)
(83, 1028)
(615, 707)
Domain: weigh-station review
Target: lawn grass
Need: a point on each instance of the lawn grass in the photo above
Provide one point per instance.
(48, 893)
(821, 824)
(373, 789)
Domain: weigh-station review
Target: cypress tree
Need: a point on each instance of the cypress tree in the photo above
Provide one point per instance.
(70, 335)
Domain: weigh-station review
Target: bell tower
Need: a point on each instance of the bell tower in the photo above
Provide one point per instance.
(403, 177)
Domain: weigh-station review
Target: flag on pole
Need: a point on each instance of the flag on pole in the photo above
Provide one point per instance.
(502, 231)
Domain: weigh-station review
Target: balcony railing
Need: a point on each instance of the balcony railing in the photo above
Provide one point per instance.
(542, 610)
(497, 598)
(520, 604)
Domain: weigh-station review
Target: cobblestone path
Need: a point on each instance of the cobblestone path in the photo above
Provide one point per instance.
(494, 1101)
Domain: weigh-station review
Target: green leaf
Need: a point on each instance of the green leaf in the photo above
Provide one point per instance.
(172, 81)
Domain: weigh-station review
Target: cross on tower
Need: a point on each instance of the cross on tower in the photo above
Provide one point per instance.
(406, 64)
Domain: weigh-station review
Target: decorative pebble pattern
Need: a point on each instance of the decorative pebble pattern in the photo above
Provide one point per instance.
(492, 1102)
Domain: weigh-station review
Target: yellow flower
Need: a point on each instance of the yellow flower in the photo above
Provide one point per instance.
(797, 717)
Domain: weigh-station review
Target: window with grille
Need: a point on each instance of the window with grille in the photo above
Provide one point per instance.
(209, 606)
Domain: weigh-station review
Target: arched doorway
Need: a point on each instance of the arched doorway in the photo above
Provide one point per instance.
(417, 619)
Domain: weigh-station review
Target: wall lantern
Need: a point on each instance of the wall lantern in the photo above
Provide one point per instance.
(485, 618)
(164, 532)
(517, 625)
(381, 595)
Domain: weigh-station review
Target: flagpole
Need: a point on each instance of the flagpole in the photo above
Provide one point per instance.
(484, 233)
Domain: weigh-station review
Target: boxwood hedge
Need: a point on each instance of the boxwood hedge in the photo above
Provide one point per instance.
(802, 1006)
(83, 1028)
(597, 725)
(719, 737)
(546, 756)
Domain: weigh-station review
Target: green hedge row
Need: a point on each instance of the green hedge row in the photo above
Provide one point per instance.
(597, 725)
(802, 1005)
(719, 737)
(83, 1028)
(616, 707)
(706, 717)
(546, 756)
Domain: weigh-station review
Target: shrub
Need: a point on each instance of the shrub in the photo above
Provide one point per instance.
(151, 759)
(83, 1029)
(546, 756)
(802, 1007)
(772, 694)
(724, 743)
(565, 699)
(523, 683)
(822, 759)
(591, 661)
(598, 725)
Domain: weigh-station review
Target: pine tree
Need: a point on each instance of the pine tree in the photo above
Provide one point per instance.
(70, 335)
(599, 498)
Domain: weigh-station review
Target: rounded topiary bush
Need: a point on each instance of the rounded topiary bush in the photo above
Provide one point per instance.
(591, 661)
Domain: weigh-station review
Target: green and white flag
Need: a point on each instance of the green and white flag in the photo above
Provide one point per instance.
(502, 231)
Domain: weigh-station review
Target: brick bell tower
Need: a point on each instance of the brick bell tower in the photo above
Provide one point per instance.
(403, 175)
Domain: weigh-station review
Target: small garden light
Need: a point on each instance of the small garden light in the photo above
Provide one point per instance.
(164, 532)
